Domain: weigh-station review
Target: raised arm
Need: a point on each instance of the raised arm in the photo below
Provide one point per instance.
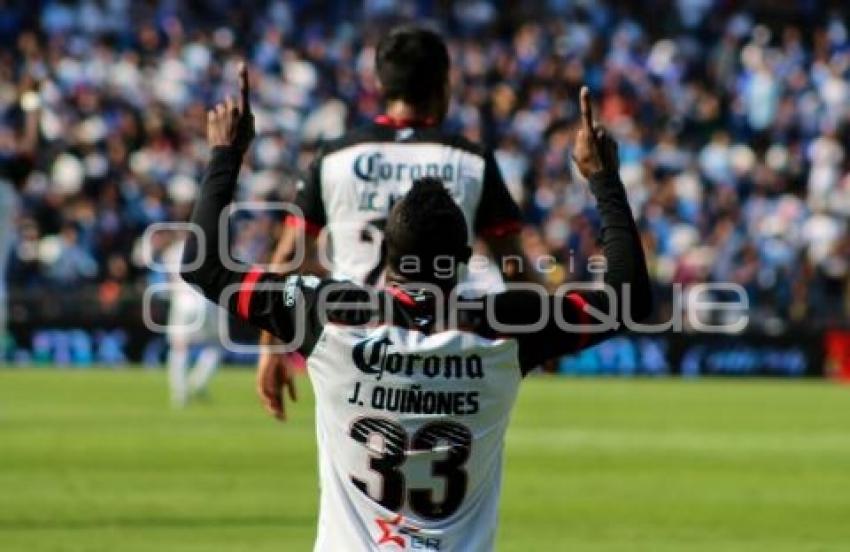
(230, 130)
(595, 154)
(626, 277)
(252, 294)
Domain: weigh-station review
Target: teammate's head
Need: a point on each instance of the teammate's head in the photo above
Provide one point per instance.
(413, 66)
(426, 236)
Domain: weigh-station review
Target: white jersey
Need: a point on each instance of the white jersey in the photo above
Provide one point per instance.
(410, 416)
(411, 434)
(355, 181)
(190, 316)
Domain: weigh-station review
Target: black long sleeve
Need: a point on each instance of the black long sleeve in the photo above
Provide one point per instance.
(280, 304)
(216, 193)
(626, 279)
(626, 264)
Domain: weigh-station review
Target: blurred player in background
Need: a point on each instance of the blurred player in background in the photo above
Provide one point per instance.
(414, 388)
(354, 180)
(192, 331)
(17, 151)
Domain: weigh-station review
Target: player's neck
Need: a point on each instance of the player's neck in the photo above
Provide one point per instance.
(399, 110)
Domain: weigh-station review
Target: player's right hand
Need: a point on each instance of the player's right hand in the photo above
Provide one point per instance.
(594, 150)
(274, 373)
(231, 123)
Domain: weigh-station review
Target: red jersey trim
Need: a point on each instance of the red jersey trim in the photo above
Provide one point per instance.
(401, 295)
(246, 291)
(404, 122)
(579, 302)
(310, 228)
(501, 229)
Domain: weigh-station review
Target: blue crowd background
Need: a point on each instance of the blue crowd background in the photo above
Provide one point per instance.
(732, 119)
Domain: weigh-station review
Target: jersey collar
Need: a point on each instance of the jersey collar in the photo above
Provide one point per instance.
(404, 122)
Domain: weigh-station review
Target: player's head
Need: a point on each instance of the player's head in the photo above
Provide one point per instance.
(413, 66)
(426, 236)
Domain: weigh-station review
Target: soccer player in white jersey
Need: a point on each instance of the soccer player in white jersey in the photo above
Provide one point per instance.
(354, 180)
(192, 330)
(414, 386)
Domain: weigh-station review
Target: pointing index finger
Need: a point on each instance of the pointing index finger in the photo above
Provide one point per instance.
(245, 86)
(586, 109)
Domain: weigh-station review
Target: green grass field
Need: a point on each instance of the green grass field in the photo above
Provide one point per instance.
(96, 461)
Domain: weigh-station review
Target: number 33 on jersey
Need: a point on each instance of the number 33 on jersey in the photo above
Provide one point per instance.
(410, 432)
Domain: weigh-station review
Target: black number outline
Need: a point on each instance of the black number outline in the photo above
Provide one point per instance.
(389, 465)
(451, 468)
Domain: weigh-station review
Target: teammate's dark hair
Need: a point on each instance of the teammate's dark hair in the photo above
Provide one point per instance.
(412, 64)
(425, 225)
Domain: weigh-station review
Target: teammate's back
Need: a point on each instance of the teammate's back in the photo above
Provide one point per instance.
(355, 180)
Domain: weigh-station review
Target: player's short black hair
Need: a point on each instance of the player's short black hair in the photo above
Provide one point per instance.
(423, 227)
(412, 64)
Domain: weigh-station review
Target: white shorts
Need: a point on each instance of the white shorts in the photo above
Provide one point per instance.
(193, 322)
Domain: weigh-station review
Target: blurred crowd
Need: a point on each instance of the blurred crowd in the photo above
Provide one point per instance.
(732, 124)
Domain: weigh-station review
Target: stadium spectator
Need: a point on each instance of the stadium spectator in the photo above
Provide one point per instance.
(733, 126)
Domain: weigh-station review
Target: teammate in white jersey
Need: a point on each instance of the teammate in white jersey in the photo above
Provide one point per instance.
(354, 180)
(192, 330)
(414, 386)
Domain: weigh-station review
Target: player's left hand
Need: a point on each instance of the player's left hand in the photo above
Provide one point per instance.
(231, 123)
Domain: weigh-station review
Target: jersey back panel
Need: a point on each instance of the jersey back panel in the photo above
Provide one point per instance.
(411, 431)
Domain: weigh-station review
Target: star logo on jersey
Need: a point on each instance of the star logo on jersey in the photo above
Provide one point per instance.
(387, 534)
(393, 531)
